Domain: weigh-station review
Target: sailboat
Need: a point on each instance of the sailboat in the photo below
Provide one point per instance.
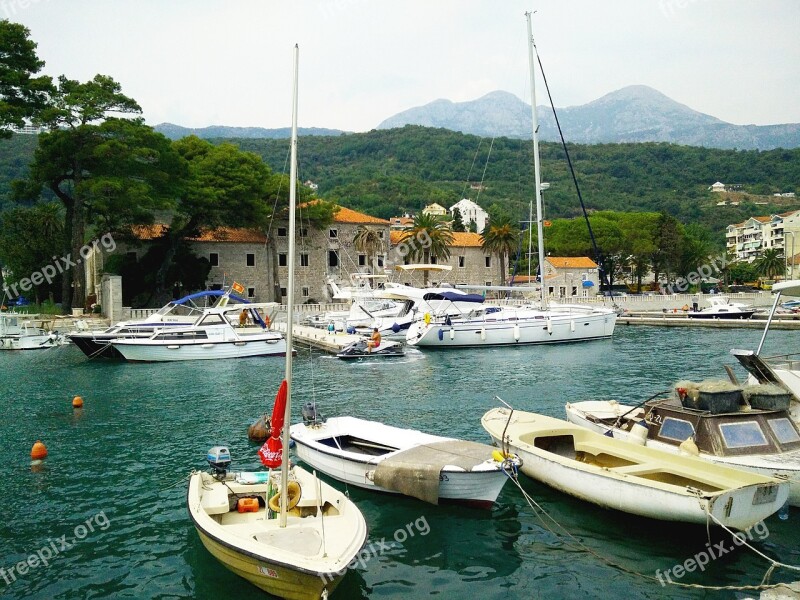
(287, 532)
(486, 325)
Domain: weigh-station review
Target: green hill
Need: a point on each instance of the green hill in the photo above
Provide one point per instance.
(388, 172)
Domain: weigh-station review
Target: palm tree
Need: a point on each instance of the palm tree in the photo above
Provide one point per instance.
(501, 238)
(368, 241)
(428, 237)
(770, 263)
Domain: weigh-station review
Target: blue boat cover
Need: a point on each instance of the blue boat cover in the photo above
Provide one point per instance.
(453, 297)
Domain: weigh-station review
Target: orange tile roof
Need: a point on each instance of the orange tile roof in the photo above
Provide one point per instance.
(466, 239)
(348, 215)
(571, 262)
(221, 234)
(395, 237)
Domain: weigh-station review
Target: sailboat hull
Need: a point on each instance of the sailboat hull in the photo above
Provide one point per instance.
(547, 327)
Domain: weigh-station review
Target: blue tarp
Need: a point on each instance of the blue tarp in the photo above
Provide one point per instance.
(453, 297)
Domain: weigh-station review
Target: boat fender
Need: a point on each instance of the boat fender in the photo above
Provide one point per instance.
(516, 333)
(452, 333)
(499, 456)
(395, 328)
(294, 497)
(572, 325)
(427, 318)
(639, 432)
(689, 448)
(441, 334)
(550, 326)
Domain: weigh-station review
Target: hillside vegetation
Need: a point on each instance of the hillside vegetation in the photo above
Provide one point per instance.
(389, 172)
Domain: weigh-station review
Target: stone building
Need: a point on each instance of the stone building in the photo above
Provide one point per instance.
(571, 276)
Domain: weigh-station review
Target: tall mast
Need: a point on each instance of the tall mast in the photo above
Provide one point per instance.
(287, 417)
(536, 167)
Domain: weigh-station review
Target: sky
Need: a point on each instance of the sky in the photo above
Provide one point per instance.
(207, 62)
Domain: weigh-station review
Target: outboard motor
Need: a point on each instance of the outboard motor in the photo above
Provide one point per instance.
(219, 457)
(309, 412)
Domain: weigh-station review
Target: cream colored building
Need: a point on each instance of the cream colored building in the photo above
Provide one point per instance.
(745, 241)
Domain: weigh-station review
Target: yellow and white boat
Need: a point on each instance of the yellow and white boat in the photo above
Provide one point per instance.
(633, 478)
(306, 559)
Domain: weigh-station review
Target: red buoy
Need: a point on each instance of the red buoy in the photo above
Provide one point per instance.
(39, 451)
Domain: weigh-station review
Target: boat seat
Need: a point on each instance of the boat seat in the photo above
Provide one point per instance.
(215, 500)
(299, 540)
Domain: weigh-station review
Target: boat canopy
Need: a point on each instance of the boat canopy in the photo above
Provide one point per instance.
(210, 293)
(453, 297)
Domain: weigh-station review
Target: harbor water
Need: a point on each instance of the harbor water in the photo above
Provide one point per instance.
(104, 516)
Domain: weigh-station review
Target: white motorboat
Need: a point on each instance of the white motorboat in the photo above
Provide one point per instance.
(178, 313)
(764, 441)
(288, 532)
(219, 332)
(632, 478)
(722, 308)
(26, 332)
(380, 457)
(508, 325)
(360, 349)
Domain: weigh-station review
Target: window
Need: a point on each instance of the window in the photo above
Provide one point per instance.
(742, 435)
(283, 259)
(381, 260)
(362, 260)
(303, 232)
(333, 233)
(251, 260)
(251, 292)
(305, 292)
(433, 260)
(784, 430)
(676, 429)
(333, 258)
(283, 291)
(574, 291)
(213, 258)
(215, 286)
(281, 231)
(487, 283)
(380, 234)
(488, 260)
(462, 261)
(304, 259)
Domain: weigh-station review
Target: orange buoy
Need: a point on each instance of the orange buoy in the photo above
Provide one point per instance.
(38, 452)
(77, 402)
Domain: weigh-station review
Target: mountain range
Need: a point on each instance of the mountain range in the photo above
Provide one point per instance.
(635, 113)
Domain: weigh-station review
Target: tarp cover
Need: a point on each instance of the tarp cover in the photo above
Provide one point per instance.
(415, 472)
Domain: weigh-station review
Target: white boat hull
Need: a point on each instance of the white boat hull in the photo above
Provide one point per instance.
(628, 488)
(148, 351)
(30, 342)
(768, 465)
(558, 328)
(478, 487)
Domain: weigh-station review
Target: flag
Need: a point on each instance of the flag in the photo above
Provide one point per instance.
(237, 287)
(547, 223)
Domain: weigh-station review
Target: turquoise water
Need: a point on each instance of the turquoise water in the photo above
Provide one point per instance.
(113, 486)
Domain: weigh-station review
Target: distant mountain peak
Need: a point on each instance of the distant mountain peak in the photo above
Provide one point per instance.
(635, 113)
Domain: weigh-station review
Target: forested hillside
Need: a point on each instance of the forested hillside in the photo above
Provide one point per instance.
(388, 172)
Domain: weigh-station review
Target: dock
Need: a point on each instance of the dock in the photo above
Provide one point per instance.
(319, 338)
(681, 320)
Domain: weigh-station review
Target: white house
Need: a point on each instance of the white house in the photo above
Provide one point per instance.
(470, 211)
(718, 187)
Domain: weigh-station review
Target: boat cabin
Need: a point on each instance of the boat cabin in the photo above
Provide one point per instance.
(743, 432)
